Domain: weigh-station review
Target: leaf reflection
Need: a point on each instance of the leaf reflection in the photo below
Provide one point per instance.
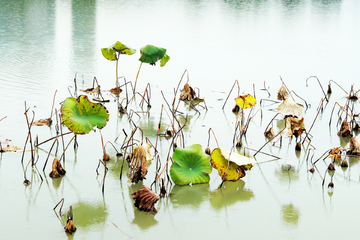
(229, 194)
(89, 215)
(290, 214)
(190, 196)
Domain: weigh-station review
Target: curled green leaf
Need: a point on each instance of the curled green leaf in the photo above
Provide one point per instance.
(81, 116)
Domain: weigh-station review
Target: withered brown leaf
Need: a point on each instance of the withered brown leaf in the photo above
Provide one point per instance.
(354, 147)
(344, 130)
(145, 199)
(187, 93)
(57, 169)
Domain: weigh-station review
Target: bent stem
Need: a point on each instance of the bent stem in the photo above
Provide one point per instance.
(137, 75)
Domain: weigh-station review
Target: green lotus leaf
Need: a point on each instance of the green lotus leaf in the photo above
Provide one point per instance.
(238, 164)
(191, 165)
(151, 54)
(110, 52)
(81, 116)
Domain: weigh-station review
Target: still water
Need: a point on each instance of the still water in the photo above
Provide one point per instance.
(45, 44)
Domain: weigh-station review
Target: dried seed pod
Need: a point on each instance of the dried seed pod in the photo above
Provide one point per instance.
(115, 90)
(187, 93)
(329, 91)
(26, 182)
(208, 151)
(331, 167)
(70, 227)
(344, 130)
(354, 147)
(312, 170)
(162, 190)
(128, 158)
(344, 163)
(57, 169)
(106, 157)
(236, 109)
(169, 133)
(145, 199)
(270, 133)
(238, 143)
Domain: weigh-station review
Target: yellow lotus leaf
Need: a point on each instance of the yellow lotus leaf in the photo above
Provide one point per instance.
(230, 165)
(245, 101)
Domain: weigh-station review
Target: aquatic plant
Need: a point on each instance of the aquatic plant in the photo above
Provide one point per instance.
(151, 54)
(191, 166)
(113, 53)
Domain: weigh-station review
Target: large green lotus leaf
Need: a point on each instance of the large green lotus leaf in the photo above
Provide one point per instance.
(81, 116)
(191, 165)
(238, 164)
(245, 101)
(151, 54)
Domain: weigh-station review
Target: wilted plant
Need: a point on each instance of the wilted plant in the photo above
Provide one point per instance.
(145, 199)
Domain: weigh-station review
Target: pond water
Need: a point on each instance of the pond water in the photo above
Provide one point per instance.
(44, 45)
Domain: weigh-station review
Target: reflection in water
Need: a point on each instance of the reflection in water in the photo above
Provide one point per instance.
(229, 194)
(287, 173)
(56, 182)
(290, 214)
(89, 215)
(344, 141)
(190, 196)
(83, 34)
(144, 220)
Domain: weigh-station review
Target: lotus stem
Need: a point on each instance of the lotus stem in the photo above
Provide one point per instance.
(214, 137)
(62, 203)
(269, 141)
(236, 81)
(117, 72)
(56, 141)
(307, 133)
(137, 75)
(51, 139)
(51, 114)
(319, 84)
(338, 85)
(63, 154)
